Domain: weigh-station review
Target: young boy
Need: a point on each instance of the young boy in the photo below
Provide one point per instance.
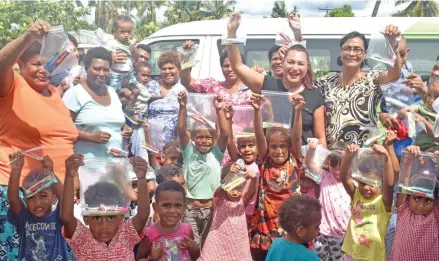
(300, 217)
(202, 164)
(108, 237)
(38, 226)
(171, 155)
(171, 173)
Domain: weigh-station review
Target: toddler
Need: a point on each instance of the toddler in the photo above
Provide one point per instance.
(108, 237)
(169, 238)
(228, 236)
(300, 217)
(37, 224)
(416, 234)
(371, 209)
(202, 158)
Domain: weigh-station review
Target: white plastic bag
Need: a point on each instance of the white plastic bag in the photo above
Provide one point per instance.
(57, 51)
(380, 49)
(187, 56)
(201, 113)
(243, 121)
(105, 186)
(277, 110)
(241, 34)
(368, 167)
(418, 175)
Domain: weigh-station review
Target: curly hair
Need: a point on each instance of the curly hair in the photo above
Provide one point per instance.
(173, 144)
(169, 185)
(167, 173)
(298, 211)
(272, 131)
(120, 18)
(97, 53)
(103, 193)
(140, 65)
(169, 57)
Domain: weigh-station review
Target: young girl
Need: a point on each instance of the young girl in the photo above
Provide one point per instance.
(371, 210)
(202, 159)
(169, 238)
(228, 236)
(416, 236)
(279, 179)
(335, 206)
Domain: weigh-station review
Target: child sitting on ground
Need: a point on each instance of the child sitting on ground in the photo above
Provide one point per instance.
(37, 224)
(108, 237)
(300, 218)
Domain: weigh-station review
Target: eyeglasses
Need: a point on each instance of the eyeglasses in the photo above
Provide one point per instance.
(348, 49)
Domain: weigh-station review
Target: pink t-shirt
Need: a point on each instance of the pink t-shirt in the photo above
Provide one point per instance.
(86, 248)
(336, 210)
(170, 242)
(251, 204)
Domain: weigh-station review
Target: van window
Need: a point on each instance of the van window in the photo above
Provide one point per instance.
(159, 47)
(422, 54)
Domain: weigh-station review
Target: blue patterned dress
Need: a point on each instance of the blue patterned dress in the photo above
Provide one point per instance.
(9, 238)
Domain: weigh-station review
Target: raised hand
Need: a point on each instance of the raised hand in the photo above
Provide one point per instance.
(394, 35)
(229, 111)
(73, 163)
(256, 101)
(233, 24)
(379, 149)
(297, 100)
(413, 150)
(140, 167)
(38, 29)
(47, 162)
(351, 149)
(219, 102)
(182, 99)
(188, 44)
(17, 160)
(312, 143)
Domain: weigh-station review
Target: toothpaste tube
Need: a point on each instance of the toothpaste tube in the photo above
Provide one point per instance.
(40, 186)
(188, 65)
(117, 152)
(58, 57)
(274, 125)
(411, 123)
(230, 41)
(151, 149)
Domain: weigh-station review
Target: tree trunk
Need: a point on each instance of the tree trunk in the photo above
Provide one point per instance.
(375, 8)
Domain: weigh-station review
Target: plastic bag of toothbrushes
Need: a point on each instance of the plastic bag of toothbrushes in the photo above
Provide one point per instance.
(380, 49)
(241, 34)
(201, 113)
(57, 51)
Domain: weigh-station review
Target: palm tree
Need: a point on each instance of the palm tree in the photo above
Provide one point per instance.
(418, 8)
(375, 8)
(182, 12)
(105, 12)
(218, 9)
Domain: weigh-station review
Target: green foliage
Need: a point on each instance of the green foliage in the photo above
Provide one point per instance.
(345, 11)
(144, 30)
(279, 9)
(418, 9)
(16, 17)
(217, 9)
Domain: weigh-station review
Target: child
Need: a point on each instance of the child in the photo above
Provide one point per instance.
(416, 236)
(335, 204)
(169, 236)
(38, 226)
(202, 159)
(171, 155)
(246, 150)
(171, 173)
(279, 179)
(228, 236)
(124, 53)
(108, 237)
(300, 217)
(371, 210)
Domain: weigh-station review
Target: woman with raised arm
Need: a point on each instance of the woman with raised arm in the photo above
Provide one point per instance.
(32, 114)
(297, 79)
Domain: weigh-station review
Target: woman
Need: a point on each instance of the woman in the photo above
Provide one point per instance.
(297, 79)
(232, 89)
(32, 114)
(166, 108)
(352, 96)
(95, 108)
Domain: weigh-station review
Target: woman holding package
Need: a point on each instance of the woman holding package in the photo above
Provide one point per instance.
(297, 79)
(32, 114)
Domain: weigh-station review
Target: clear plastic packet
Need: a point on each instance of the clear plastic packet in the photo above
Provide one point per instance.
(35, 153)
(117, 153)
(380, 49)
(76, 71)
(57, 51)
(368, 167)
(241, 34)
(234, 180)
(201, 113)
(377, 136)
(187, 56)
(105, 186)
(411, 124)
(314, 160)
(277, 110)
(243, 119)
(38, 182)
(154, 136)
(436, 127)
(98, 38)
(418, 175)
(172, 251)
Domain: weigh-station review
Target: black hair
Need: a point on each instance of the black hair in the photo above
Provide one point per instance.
(273, 50)
(225, 55)
(169, 185)
(144, 47)
(120, 18)
(167, 173)
(103, 193)
(33, 49)
(34, 176)
(298, 211)
(73, 40)
(97, 53)
(140, 65)
(225, 170)
(272, 131)
(169, 57)
(336, 155)
(350, 36)
(172, 144)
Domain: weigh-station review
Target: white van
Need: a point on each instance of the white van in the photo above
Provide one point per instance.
(322, 35)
